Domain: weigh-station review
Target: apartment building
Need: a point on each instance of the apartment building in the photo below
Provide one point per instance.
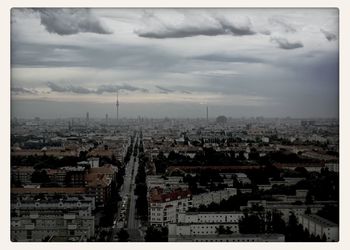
(215, 196)
(193, 224)
(99, 185)
(163, 182)
(22, 174)
(164, 205)
(37, 219)
(319, 226)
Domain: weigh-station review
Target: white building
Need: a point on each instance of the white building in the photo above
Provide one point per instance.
(192, 224)
(332, 167)
(216, 197)
(164, 206)
(94, 162)
(37, 219)
(286, 208)
(265, 139)
(319, 226)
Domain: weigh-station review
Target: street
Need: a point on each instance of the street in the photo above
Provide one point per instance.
(128, 221)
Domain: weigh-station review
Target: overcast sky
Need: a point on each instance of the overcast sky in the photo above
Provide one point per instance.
(174, 62)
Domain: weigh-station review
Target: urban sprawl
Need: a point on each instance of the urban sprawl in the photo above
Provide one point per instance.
(178, 180)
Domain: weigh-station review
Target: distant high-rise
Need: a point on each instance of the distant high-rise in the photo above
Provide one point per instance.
(106, 119)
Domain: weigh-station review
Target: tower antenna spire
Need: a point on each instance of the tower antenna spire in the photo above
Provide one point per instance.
(117, 104)
(207, 114)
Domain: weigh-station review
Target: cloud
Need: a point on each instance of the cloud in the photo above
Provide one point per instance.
(73, 89)
(21, 90)
(216, 73)
(100, 90)
(114, 88)
(206, 26)
(164, 90)
(329, 36)
(285, 44)
(56, 88)
(186, 92)
(236, 30)
(229, 58)
(70, 21)
(110, 55)
(167, 91)
(287, 27)
(265, 32)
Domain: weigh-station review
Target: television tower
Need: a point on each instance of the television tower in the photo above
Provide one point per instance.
(117, 104)
(207, 115)
(87, 119)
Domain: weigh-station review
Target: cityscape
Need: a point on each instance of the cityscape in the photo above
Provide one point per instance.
(174, 125)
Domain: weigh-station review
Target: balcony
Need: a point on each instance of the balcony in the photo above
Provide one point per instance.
(72, 227)
(69, 216)
(34, 216)
(29, 227)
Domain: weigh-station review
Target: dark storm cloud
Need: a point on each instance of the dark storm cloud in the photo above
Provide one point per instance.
(57, 88)
(71, 21)
(21, 90)
(114, 88)
(164, 90)
(100, 90)
(285, 44)
(287, 27)
(181, 33)
(229, 58)
(69, 88)
(329, 36)
(222, 26)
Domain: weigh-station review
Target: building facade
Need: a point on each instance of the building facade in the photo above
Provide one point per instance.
(193, 224)
(319, 226)
(39, 219)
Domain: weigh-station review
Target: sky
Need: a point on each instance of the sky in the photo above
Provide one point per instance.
(174, 62)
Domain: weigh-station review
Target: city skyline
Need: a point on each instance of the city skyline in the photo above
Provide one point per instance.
(239, 62)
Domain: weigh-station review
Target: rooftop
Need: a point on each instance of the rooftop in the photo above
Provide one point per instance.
(157, 195)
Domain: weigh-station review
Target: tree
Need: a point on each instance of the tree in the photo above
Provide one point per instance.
(308, 211)
(309, 199)
(123, 235)
(330, 212)
(324, 237)
(40, 177)
(114, 192)
(222, 230)
(295, 232)
(251, 224)
(156, 234)
(278, 224)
